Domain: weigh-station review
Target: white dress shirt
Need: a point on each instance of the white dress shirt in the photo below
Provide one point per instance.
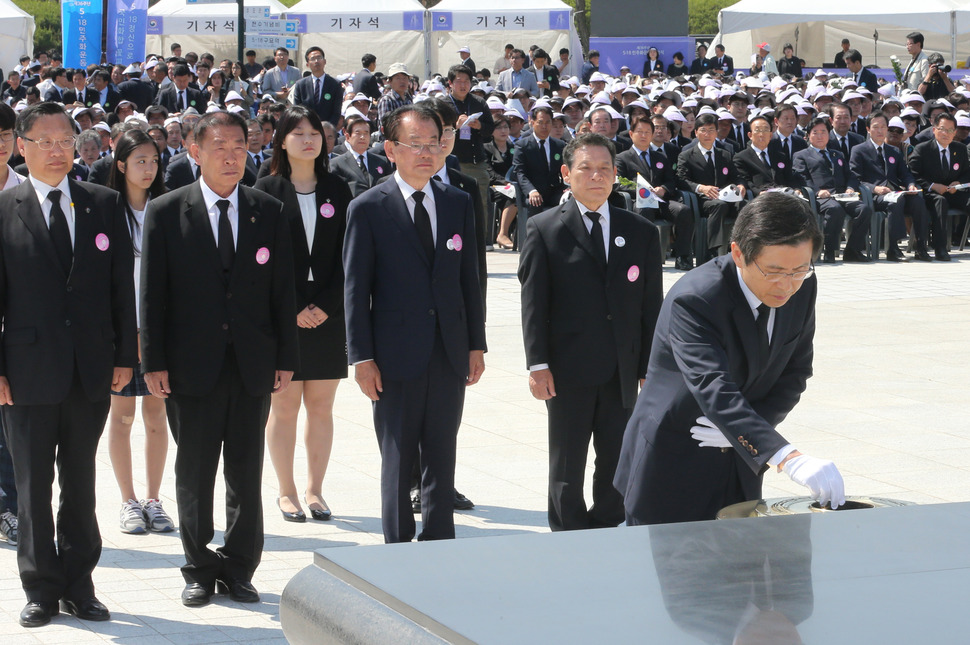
(67, 204)
(213, 210)
(407, 191)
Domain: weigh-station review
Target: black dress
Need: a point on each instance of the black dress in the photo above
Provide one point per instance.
(323, 350)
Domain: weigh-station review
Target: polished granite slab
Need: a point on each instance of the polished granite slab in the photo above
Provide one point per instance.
(892, 575)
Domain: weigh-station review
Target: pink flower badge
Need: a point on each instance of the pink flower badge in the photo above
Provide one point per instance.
(660, 164)
(327, 211)
(840, 162)
(262, 255)
(781, 164)
(380, 171)
(633, 273)
(956, 166)
(102, 242)
(892, 160)
(724, 170)
(456, 242)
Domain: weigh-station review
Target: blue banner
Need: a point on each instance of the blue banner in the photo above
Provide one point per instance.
(127, 28)
(81, 26)
(632, 52)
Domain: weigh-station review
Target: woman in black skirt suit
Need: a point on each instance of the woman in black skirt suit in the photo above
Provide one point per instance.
(316, 204)
(499, 160)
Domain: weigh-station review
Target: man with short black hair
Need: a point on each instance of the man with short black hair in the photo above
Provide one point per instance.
(364, 80)
(472, 134)
(547, 76)
(721, 63)
(591, 291)
(517, 76)
(864, 77)
(591, 65)
(178, 97)
(537, 165)
(840, 56)
(318, 90)
(279, 80)
(730, 359)
(919, 66)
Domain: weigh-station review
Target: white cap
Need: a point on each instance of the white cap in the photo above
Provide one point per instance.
(896, 122)
(359, 96)
(352, 111)
(509, 114)
(673, 114)
(233, 95)
(602, 98)
(170, 120)
(132, 69)
(236, 109)
(494, 103)
(596, 77)
(464, 50)
(213, 107)
(909, 112)
(397, 68)
(101, 125)
(724, 115)
(136, 117)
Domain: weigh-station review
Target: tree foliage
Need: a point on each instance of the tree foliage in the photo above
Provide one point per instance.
(702, 15)
(47, 22)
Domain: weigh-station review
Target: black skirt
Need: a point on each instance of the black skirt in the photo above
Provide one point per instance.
(136, 386)
(323, 351)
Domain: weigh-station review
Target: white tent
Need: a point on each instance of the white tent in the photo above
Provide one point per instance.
(822, 24)
(486, 29)
(201, 27)
(16, 34)
(392, 30)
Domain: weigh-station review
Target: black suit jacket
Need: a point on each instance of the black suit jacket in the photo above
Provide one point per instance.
(868, 169)
(396, 301)
(692, 169)
(652, 66)
(852, 140)
(818, 174)
(755, 175)
(532, 170)
(726, 66)
(322, 254)
(78, 171)
(168, 98)
(50, 331)
(179, 172)
(705, 361)
(868, 80)
(796, 142)
(189, 312)
(660, 173)
(345, 167)
(550, 74)
(138, 92)
(926, 166)
(700, 65)
(328, 109)
(587, 321)
(100, 169)
(112, 98)
(366, 82)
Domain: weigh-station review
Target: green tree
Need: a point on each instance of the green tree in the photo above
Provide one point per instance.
(702, 15)
(47, 22)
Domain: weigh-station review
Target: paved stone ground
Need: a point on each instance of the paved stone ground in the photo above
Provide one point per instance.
(888, 404)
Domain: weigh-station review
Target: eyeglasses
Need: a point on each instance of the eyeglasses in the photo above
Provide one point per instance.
(447, 134)
(945, 130)
(761, 131)
(797, 276)
(431, 148)
(48, 144)
(6, 137)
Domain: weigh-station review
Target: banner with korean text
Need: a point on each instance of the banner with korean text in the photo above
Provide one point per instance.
(81, 26)
(127, 29)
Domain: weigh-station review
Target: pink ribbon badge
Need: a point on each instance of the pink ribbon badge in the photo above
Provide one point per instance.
(724, 170)
(892, 160)
(660, 164)
(781, 164)
(327, 210)
(633, 273)
(380, 171)
(840, 162)
(956, 166)
(456, 242)
(262, 255)
(101, 241)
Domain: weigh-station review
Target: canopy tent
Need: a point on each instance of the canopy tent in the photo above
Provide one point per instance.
(392, 30)
(486, 30)
(201, 27)
(16, 35)
(821, 25)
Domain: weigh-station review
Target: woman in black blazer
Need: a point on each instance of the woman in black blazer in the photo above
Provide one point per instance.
(653, 62)
(316, 203)
(499, 161)
(677, 68)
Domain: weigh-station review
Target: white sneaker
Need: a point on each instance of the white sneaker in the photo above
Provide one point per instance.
(132, 517)
(156, 518)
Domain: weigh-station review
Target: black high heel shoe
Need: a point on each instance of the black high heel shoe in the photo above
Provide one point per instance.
(298, 516)
(322, 515)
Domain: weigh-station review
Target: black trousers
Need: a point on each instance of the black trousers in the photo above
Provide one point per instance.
(720, 221)
(231, 422)
(577, 414)
(939, 206)
(419, 418)
(908, 205)
(39, 437)
(682, 218)
(834, 213)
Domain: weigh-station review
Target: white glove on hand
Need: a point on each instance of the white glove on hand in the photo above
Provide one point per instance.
(820, 476)
(707, 435)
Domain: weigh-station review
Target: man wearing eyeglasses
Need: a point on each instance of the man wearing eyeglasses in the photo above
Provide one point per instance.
(415, 320)
(731, 356)
(69, 338)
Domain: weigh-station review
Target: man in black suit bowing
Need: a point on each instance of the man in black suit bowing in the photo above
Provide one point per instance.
(415, 321)
(938, 166)
(705, 169)
(591, 292)
(648, 160)
(537, 163)
(880, 167)
(67, 304)
(217, 338)
(730, 359)
(825, 172)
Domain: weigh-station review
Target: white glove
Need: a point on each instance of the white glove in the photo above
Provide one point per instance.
(820, 476)
(707, 435)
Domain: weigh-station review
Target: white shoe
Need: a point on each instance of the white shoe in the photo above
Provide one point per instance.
(156, 519)
(132, 517)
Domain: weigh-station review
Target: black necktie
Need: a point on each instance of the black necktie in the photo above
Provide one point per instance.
(845, 147)
(739, 133)
(596, 237)
(764, 314)
(316, 90)
(645, 155)
(198, 171)
(257, 160)
(710, 167)
(542, 147)
(764, 157)
(882, 159)
(60, 233)
(227, 250)
(784, 145)
(828, 158)
(422, 222)
(360, 162)
(184, 107)
(943, 159)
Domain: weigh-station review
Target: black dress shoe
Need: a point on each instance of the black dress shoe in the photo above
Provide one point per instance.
(684, 264)
(895, 255)
(943, 255)
(851, 255)
(415, 501)
(828, 257)
(298, 516)
(462, 503)
(238, 590)
(38, 614)
(922, 255)
(87, 609)
(196, 594)
(321, 514)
